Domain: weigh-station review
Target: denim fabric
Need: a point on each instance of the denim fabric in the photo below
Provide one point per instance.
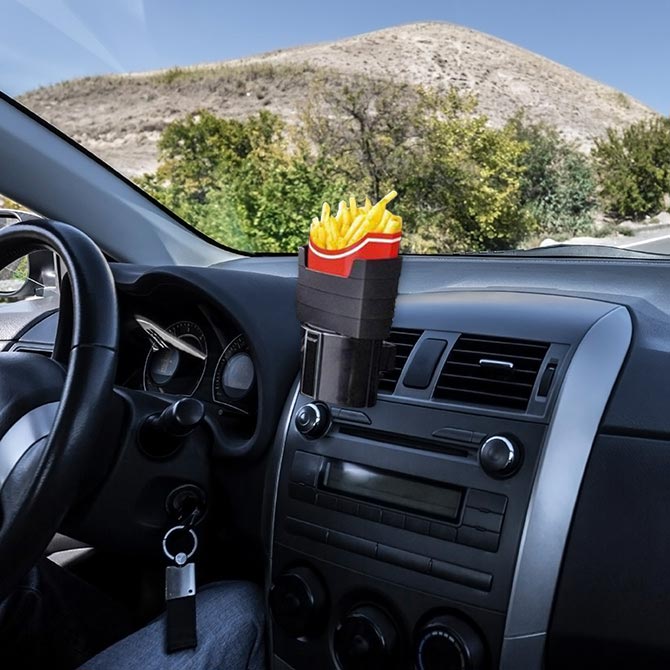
(55, 620)
(230, 624)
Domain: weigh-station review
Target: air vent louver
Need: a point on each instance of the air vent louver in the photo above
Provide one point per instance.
(494, 372)
(404, 340)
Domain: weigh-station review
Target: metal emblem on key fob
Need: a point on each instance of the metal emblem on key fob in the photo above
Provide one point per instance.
(180, 592)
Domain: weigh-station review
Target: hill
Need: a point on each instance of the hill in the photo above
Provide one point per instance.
(120, 117)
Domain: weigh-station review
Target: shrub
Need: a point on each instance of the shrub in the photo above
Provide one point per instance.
(458, 178)
(463, 187)
(558, 186)
(633, 168)
(240, 182)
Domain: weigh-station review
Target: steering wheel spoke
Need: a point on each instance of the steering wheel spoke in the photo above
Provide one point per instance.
(29, 432)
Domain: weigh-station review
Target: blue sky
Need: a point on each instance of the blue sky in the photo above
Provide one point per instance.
(623, 43)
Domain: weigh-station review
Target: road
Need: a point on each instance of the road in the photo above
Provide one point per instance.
(656, 241)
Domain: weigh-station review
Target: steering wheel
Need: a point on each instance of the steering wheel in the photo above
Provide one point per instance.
(51, 411)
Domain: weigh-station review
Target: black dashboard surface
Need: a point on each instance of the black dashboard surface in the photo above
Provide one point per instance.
(614, 578)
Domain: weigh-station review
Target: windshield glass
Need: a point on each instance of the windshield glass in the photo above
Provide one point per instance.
(499, 128)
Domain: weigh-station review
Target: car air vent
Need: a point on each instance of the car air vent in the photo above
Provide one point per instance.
(491, 371)
(404, 340)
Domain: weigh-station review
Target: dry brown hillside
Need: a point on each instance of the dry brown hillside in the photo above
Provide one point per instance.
(120, 116)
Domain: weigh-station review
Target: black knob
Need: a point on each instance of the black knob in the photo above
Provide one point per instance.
(499, 456)
(298, 602)
(449, 643)
(366, 639)
(162, 435)
(313, 420)
(180, 418)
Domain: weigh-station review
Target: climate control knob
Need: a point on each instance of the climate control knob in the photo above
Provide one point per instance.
(313, 420)
(449, 643)
(366, 639)
(499, 456)
(298, 601)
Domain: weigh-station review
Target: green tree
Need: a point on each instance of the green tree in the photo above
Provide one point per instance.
(633, 168)
(458, 178)
(558, 187)
(361, 130)
(242, 183)
(464, 180)
(255, 184)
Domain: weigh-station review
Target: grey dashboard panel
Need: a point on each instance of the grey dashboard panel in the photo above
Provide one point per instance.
(27, 315)
(551, 318)
(43, 332)
(584, 394)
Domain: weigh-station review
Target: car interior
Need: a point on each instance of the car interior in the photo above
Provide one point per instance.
(469, 519)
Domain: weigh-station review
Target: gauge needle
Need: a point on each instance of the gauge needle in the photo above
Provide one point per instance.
(161, 339)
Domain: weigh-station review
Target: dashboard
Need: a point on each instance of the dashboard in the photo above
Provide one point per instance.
(395, 537)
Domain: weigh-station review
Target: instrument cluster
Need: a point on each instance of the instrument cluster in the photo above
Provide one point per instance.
(198, 356)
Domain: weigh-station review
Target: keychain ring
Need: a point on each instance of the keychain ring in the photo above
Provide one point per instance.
(167, 536)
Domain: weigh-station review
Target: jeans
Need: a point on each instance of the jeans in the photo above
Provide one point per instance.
(55, 621)
(230, 625)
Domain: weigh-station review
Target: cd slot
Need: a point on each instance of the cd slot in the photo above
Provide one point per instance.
(383, 437)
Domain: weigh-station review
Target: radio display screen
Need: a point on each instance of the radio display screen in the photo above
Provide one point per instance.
(381, 486)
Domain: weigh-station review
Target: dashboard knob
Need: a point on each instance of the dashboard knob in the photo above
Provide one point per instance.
(366, 639)
(298, 601)
(499, 456)
(313, 420)
(449, 643)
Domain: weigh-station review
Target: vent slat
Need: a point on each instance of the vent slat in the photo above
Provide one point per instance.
(466, 369)
(404, 341)
(464, 380)
(517, 357)
(478, 380)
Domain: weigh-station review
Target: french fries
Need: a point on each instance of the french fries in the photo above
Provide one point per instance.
(352, 223)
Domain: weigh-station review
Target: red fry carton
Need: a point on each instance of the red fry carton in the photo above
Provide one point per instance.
(374, 246)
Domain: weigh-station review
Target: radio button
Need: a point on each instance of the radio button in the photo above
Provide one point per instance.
(347, 506)
(308, 530)
(482, 520)
(461, 575)
(491, 502)
(351, 543)
(403, 559)
(416, 525)
(370, 513)
(442, 532)
(301, 492)
(305, 468)
(481, 539)
(327, 501)
(393, 519)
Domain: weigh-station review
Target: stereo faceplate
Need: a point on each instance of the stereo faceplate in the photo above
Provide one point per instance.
(457, 553)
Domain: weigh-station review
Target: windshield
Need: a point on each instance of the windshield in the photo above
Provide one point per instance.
(499, 128)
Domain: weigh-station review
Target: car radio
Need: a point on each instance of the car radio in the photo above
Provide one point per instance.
(392, 521)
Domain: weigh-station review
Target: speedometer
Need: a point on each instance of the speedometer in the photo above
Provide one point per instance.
(235, 376)
(177, 360)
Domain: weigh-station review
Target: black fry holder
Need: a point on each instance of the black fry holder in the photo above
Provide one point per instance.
(345, 322)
